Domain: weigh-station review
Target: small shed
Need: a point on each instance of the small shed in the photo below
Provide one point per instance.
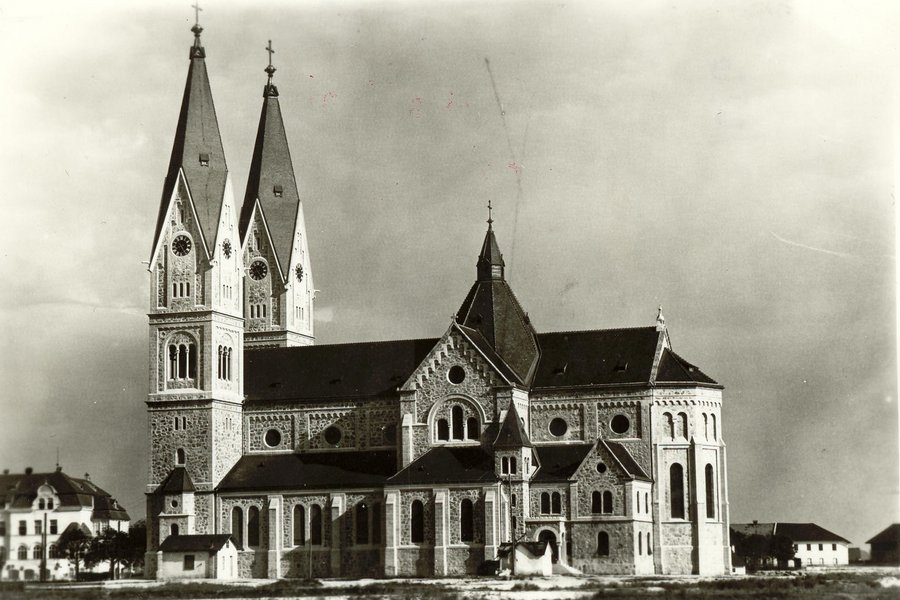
(197, 557)
(886, 546)
(531, 558)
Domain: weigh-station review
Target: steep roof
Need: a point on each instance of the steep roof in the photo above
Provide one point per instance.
(195, 543)
(271, 168)
(176, 482)
(560, 461)
(889, 535)
(19, 490)
(512, 432)
(626, 460)
(361, 370)
(196, 134)
(310, 470)
(674, 369)
(796, 532)
(448, 464)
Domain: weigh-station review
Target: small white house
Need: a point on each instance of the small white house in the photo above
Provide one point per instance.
(531, 558)
(197, 557)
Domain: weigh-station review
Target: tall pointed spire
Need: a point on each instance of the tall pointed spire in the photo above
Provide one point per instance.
(490, 261)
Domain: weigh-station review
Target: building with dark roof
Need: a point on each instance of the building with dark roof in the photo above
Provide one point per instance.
(404, 457)
(36, 508)
(813, 544)
(886, 546)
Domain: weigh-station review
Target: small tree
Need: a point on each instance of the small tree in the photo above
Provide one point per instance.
(137, 543)
(782, 548)
(73, 543)
(112, 546)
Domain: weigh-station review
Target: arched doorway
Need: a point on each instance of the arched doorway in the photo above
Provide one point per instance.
(550, 537)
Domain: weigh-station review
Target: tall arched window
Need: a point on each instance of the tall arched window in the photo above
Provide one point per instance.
(237, 526)
(710, 493)
(555, 503)
(315, 525)
(705, 426)
(646, 502)
(182, 361)
(714, 435)
(640, 538)
(173, 361)
(472, 428)
(36, 552)
(41, 504)
(670, 424)
(683, 425)
(228, 364)
(457, 422)
(545, 503)
(52, 552)
(253, 526)
(192, 361)
(179, 457)
(596, 502)
(220, 368)
(513, 468)
(649, 546)
(607, 502)
(676, 491)
(299, 525)
(23, 552)
(417, 522)
(443, 430)
(504, 465)
(466, 521)
(603, 543)
(173, 530)
(362, 523)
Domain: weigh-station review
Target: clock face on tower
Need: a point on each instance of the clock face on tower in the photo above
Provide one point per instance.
(181, 246)
(299, 272)
(258, 270)
(226, 248)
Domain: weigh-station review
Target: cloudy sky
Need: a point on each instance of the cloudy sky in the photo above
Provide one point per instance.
(731, 161)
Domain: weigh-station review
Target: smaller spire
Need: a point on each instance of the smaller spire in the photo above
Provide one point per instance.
(490, 220)
(660, 320)
(490, 261)
(270, 89)
(197, 50)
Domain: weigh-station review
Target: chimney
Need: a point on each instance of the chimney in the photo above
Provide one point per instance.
(87, 476)
(58, 468)
(28, 470)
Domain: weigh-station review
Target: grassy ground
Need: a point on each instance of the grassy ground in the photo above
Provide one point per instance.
(848, 583)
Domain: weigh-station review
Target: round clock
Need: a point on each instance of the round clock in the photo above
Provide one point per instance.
(182, 245)
(258, 270)
(226, 248)
(299, 272)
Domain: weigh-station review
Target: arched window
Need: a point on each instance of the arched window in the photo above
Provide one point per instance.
(173, 530)
(670, 425)
(513, 468)
(182, 361)
(299, 525)
(52, 552)
(41, 504)
(683, 425)
(705, 426)
(472, 428)
(646, 502)
(192, 361)
(443, 430)
(253, 527)
(649, 546)
(237, 526)
(23, 552)
(49, 503)
(640, 543)
(596, 502)
(173, 361)
(676, 491)
(556, 503)
(603, 543)
(220, 368)
(179, 457)
(228, 364)
(36, 551)
(362, 523)
(545, 503)
(714, 435)
(607, 502)
(457, 422)
(710, 493)
(417, 522)
(466, 521)
(315, 525)
(504, 465)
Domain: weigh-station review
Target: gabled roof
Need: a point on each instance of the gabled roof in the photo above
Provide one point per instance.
(362, 370)
(195, 543)
(560, 461)
(448, 464)
(796, 532)
(310, 470)
(626, 460)
(196, 134)
(535, 549)
(271, 168)
(674, 369)
(489, 353)
(890, 535)
(176, 482)
(19, 490)
(512, 432)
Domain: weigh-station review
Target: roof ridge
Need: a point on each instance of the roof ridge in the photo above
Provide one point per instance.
(596, 330)
(345, 344)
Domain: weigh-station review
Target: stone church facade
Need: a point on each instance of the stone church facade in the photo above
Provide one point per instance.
(405, 457)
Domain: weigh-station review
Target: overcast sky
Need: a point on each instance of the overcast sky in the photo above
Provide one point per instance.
(731, 161)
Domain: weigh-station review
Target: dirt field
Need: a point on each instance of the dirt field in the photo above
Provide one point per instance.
(832, 583)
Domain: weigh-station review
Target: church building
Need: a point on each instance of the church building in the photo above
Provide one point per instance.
(422, 457)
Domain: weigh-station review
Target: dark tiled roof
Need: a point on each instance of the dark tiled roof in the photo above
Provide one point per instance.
(489, 256)
(360, 370)
(310, 470)
(195, 543)
(797, 532)
(176, 482)
(197, 133)
(108, 508)
(890, 535)
(270, 166)
(534, 548)
(674, 369)
(512, 432)
(20, 489)
(489, 353)
(631, 466)
(559, 462)
(492, 309)
(448, 464)
(598, 357)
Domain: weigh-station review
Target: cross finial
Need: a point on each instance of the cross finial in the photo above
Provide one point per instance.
(270, 90)
(270, 51)
(490, 215)
(197, 9)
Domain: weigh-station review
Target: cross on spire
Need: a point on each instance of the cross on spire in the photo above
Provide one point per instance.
(197, 50)
(270, 89)
(270, 51)
(197, 9)
(490, 217)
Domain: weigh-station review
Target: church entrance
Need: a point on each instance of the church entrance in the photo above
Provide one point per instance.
(550, 537)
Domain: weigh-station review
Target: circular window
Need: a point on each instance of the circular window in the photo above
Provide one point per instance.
(182, 245)
(258, 270)
(273, 438)
(174, 503)
(619, 424)
(601, 468)
(456, 374)
(558, 427)
(332, 435)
